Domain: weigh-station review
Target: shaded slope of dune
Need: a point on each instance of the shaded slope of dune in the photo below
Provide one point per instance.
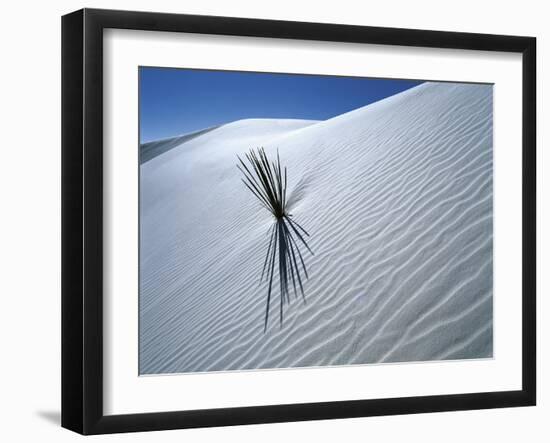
(397, 197)
(148, 151)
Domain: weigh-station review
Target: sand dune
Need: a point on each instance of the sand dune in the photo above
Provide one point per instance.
(397, 197)
(150, 150)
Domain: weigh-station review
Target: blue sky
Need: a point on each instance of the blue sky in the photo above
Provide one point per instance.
(178, 101)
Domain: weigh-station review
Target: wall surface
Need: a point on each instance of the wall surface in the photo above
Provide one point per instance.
(30, 221)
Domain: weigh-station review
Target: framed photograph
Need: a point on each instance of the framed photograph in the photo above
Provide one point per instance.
(269, 221)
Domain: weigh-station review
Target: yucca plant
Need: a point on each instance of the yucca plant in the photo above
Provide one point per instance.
(267, 181)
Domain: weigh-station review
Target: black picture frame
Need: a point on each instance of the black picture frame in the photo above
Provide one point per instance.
(82, 216)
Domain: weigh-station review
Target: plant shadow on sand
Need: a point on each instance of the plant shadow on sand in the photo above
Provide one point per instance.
(267, 181)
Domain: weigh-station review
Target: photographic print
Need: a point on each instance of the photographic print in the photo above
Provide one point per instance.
(295, 221)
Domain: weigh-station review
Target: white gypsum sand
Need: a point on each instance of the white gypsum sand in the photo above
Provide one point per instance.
(397, 197)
